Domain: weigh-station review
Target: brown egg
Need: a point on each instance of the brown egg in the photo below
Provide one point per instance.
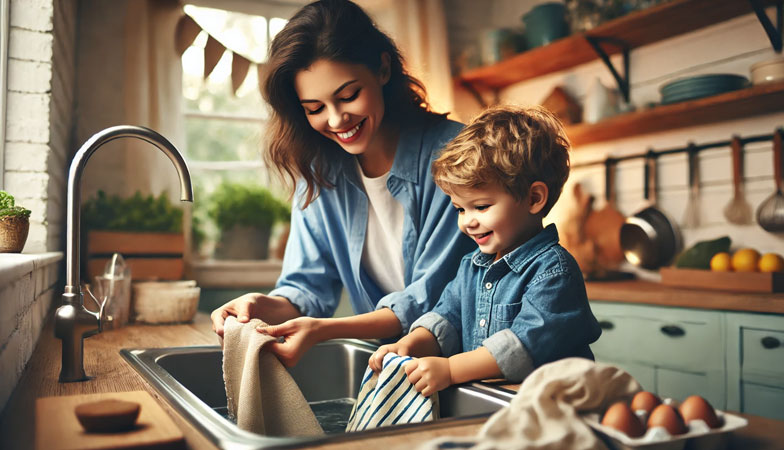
(623, 419)
(646, 401)
(668, 417)
(697, 408)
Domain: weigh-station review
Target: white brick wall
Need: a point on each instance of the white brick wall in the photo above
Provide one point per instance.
(39, 130)
(25, 305)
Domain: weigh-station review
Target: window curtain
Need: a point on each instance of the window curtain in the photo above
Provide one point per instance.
(418, 27)
(152, 91)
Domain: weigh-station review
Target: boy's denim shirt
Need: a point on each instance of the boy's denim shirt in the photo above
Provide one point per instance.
(528, 308)
(324, 250)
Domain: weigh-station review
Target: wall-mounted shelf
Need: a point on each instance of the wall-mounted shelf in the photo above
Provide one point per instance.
(635, 30)
(753, 101)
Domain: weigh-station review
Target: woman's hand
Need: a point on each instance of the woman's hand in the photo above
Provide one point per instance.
(299, 335)
(272, 310)
(429, 375)
(376, 361)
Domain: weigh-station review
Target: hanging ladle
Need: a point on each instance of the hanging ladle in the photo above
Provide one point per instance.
(737, 210)
(691, 218)
(770, 213)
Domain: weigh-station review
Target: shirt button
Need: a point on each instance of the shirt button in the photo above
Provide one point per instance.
(482, 322)
(488, 286)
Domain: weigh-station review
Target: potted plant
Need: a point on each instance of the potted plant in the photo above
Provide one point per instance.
(245, 215)
(146, 230)
(14, 224)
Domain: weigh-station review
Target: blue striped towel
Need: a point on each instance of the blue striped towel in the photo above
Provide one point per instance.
(388, 398)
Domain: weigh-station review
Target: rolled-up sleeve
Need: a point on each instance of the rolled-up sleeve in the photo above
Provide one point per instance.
(447, 336)
(510, 354)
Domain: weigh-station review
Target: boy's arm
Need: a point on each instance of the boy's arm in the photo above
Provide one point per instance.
(477, 364)
(430, 375)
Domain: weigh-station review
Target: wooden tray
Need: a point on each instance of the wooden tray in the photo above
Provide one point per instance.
(725, 281)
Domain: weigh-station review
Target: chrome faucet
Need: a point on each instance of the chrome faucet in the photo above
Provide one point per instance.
(73, 322)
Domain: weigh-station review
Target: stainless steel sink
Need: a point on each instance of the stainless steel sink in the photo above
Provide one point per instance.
(191, 378)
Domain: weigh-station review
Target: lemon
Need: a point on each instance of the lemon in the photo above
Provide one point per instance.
(745, 260)
(721, 262)
(771, 262)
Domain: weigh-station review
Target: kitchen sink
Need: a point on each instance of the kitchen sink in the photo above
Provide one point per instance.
(329, 375)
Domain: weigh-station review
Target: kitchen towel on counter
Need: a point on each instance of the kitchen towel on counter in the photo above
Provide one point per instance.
(262, 396)
(388, 398)
(545, 412)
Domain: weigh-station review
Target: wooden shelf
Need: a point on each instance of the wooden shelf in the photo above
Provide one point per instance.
(753, 101)
(635, 29)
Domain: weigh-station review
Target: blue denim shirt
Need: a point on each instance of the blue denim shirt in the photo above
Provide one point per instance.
(528, 308)
(324, 249)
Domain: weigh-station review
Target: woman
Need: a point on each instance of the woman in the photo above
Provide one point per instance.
(353, 130)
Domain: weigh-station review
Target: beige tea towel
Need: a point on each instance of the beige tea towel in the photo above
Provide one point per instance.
(262, 396)
(545, 412)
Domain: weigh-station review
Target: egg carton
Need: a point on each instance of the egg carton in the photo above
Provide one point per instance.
(698, 437)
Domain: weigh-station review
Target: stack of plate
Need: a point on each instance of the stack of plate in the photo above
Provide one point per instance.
(701, 86)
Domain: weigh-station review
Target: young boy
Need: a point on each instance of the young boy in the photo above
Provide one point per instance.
(519, 300)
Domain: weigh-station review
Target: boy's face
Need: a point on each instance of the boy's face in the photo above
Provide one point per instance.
(494, 219)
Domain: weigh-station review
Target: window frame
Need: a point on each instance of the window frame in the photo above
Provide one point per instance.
(5, 35)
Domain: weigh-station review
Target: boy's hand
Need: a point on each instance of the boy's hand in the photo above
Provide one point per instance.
(429, 375)
(376, 360)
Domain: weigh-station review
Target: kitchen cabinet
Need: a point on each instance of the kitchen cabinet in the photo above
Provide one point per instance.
(621, 35)
(755, 363)
(673, 352)
(733, 359)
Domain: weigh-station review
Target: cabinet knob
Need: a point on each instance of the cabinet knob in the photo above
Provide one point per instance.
(770, 342)
(673, 330)
(606, 325)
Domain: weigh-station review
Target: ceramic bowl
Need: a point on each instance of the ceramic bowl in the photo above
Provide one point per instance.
(768, 71)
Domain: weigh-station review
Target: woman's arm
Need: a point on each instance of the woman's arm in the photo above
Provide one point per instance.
(304, 332)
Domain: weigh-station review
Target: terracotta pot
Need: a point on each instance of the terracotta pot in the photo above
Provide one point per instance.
(13, 233)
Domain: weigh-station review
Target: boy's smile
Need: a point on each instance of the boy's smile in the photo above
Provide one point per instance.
(494, 219)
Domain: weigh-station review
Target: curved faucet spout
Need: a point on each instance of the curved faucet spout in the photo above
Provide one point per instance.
(73, 322)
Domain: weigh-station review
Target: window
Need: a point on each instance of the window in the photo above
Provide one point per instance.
(224, 129)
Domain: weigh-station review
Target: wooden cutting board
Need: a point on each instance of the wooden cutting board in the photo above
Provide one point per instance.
(57, 428)
(727, 281)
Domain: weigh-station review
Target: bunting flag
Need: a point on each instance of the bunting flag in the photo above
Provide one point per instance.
(186, 32)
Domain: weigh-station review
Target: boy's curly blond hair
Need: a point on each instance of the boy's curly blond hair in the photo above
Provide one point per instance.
(510, 145)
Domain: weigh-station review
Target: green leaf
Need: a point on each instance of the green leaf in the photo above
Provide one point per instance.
(8, 206)
(242, 204)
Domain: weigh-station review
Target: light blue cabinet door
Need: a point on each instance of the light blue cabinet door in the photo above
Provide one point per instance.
(679, 384)
(763, 401)
(645, 375)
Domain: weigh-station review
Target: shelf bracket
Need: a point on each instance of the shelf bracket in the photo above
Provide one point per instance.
(622, 80)
(477, 95)
(773, 32)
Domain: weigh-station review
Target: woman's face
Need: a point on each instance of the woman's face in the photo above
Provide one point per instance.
(343, 102)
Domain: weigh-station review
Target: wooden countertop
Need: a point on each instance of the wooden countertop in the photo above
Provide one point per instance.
(113, 374)
(637, 291)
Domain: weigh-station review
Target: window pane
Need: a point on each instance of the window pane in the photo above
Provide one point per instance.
(223, 140)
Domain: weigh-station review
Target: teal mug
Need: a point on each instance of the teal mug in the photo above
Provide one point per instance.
(545, 23)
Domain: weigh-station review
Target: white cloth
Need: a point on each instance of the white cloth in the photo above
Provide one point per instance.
(545, 412)
(262, 396)
(388, 398)
(382, 255)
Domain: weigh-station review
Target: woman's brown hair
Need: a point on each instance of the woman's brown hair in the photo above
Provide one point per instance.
(335, 30)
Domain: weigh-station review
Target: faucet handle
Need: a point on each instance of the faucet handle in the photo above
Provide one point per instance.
(100, 304)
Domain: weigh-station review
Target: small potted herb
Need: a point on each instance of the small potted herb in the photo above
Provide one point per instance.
(245, 215)
(14, 224)
(145, 229)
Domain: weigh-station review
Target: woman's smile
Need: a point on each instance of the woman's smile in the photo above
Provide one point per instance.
(352, 134)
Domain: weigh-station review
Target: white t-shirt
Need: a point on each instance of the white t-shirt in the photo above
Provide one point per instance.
(382, 255)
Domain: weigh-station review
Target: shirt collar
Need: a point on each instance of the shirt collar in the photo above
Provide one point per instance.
(518, 258)
(405, 166)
